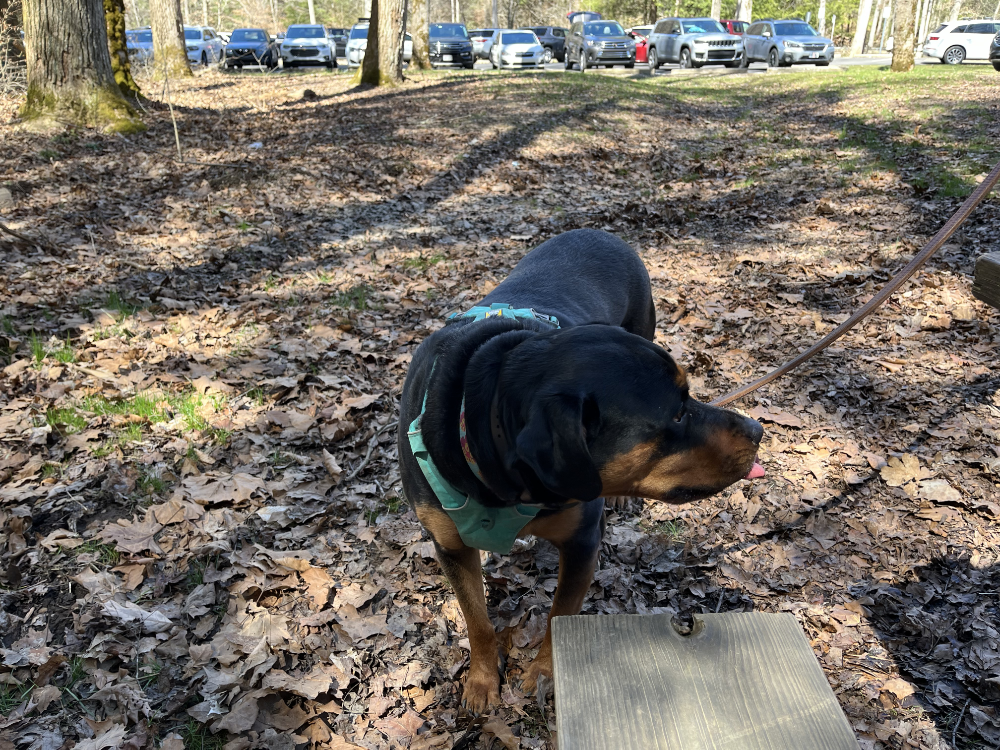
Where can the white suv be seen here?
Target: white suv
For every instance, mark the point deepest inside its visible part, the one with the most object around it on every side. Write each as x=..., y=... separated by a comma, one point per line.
x=956, y=41
x=203, y=45
x=308, y=44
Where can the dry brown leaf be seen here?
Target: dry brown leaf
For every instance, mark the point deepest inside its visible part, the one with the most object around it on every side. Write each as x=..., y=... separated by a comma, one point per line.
x=774, y=415
x=901, y=470
x=899, y=687
x=133, y=536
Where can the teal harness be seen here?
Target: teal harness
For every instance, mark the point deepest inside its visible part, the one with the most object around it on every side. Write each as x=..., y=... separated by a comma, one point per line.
x=491, y=529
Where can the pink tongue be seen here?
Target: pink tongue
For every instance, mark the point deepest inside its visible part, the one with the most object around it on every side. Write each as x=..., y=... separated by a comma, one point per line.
x=756, y=471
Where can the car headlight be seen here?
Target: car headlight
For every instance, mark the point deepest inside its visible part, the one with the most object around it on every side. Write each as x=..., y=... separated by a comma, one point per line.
x=794, y=45
x=192, y=49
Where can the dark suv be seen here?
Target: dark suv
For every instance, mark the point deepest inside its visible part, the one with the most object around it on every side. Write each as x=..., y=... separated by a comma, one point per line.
x=449, y=45
x=553, y=39
x=339, y=36
x=593, y=43
x=995, y=52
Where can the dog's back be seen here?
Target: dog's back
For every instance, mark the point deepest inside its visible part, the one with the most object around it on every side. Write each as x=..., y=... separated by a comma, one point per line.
x=583, y=276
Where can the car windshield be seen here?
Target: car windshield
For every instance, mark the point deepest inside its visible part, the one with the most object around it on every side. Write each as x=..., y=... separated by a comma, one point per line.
x=519, y=37
x=603, y=28
x=359, y=32
x=794, y=29
x=306, y=32
x=141, y=37
x=703, y=26
x=481, y=34
x=448, y=30
x=192, y=35
x=540, y=31
x=241, y=36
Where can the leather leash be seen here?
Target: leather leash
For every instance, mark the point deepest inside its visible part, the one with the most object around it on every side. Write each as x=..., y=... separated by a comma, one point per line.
x=943, y=235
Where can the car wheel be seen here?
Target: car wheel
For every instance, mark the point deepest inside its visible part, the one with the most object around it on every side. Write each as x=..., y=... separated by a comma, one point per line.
x=330, y=65
x=204, y=59
x=822, y=64
x=547, y=56
x=567, y=62
x=630, y=64
x=651, y=60
x=745, y=60
x=954, y=55
x=996, y=65
x=772, y=58
x=685, y=58
x=583, y=61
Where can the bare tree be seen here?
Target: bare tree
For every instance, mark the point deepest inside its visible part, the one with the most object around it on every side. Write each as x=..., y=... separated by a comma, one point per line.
x=875, y=21
x=418, y=12
x=715, y=12
x=169, y=51
x=902, y=36
x=69, y=67
x=956, y=8
x=864, y=12
x=383, y=63
x=114, y=17
x=821, y=18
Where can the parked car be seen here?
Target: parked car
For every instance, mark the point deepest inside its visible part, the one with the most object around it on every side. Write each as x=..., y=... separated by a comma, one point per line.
x=482, y=40
x=203, y=44
x=517, y=49
x=995, y=53
x=592, y=43
x=308, y=44
x=140, y=45
x=784, y=43
x=738, y=28
x=693, y=42
x=641, y=36
x=250, y=47
x=357, y=43
x=957, y=41
x=449, y=45
x=552, y=39
x=339, y=37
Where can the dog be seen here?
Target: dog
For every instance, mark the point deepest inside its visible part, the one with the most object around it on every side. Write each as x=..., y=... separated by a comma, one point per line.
x=519, y=416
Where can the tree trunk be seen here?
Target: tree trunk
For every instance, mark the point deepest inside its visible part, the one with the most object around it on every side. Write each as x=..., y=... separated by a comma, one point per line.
x=874, y=25
x=69, y=68
x=716, y=11
x=169, y=53
x=312, y=11
x=746, y=10
x=114, y=16
x=821, y=18
x=864, y=11
x=417, y=14
x=902, y=37
x=392, y=27
x=370, y=64
x=956, y=8
x=925, y=20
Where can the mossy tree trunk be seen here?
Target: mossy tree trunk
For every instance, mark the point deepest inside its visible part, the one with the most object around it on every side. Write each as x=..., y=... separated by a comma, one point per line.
x=69, y=68
x=903, y=36
x=114, y=17
x=383, y=64
x=169, y=52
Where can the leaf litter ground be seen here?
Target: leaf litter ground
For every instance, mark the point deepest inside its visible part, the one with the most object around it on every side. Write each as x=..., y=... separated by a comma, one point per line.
x=204, y=542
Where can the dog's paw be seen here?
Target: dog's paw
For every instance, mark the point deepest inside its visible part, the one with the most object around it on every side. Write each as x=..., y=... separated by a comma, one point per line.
x=482, y=692
x=539, y=672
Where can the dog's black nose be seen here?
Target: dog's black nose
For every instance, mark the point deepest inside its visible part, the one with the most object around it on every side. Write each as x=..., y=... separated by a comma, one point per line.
x=754, y=430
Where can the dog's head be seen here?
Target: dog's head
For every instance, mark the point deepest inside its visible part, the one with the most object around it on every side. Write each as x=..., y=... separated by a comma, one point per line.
x=594, y=411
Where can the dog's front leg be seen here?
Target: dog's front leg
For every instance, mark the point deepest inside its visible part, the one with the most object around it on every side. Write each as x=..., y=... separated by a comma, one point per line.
x=465, y=573
x=577, y=561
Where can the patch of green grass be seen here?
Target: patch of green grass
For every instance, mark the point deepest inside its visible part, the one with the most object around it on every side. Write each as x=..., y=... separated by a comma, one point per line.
x=673, y=530
x=115, y=301
x=51, y=470
x=103, y=450
x=12, y=696
x=149, y=674
x=105, y=554
x=64, y=353
x=244, y=226
x=423, y=262
x=7, y=325
x=49, y=153
x=154, y=407
x=37, y=349
x=129, y=434
x=66, y=421
x=198, y=737
x=77, y=671
x=151, y=483
x=257, y=395
x=357, y=297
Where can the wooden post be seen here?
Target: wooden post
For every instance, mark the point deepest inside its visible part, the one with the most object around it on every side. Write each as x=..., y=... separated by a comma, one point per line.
x=986, y=284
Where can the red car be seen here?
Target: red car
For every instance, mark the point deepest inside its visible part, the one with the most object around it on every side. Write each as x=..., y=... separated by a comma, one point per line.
x=641, y=36
x=735, y=27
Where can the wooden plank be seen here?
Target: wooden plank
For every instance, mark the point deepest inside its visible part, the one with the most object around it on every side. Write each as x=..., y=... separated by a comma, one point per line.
x=986, y=285
x=740, y=681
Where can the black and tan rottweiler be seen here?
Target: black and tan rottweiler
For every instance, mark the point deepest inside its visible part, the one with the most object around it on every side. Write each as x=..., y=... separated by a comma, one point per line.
x=520, y=416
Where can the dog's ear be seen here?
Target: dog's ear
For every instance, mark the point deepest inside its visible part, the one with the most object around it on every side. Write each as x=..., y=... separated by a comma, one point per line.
x=554, y=444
